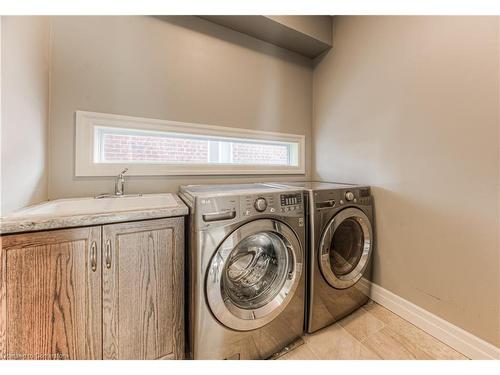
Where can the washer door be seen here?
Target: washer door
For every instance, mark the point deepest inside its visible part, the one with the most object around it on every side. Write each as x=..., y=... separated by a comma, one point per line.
x=253, y=274
x=345, y=248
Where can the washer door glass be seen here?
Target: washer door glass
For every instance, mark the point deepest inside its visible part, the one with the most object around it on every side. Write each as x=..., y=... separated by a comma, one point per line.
x=254, y=274
x=345, y=248
x=256, y=270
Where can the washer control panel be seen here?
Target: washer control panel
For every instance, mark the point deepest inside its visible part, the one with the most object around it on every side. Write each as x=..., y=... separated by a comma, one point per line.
x=212, y=211
x=252, y=204
x=260, y=204
x=291, y=202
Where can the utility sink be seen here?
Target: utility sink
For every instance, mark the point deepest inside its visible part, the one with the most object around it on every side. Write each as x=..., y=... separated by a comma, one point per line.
x=90, y=206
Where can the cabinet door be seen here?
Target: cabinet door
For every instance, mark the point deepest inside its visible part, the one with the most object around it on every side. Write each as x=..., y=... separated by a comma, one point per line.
x=50, y=295
x=143, y=290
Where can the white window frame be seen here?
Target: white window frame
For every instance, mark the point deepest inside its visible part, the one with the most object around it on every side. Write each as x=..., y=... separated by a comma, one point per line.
x=84, y=148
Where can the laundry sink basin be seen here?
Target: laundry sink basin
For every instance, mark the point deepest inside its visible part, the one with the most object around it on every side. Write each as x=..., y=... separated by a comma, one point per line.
x=88, y=206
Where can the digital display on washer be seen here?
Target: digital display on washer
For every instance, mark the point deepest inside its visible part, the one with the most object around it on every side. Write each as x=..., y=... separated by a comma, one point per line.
x=291, y=199
x=364, y=193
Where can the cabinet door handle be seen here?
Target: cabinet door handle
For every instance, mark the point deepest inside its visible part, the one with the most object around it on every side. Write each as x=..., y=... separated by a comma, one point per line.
x=108, y=254
x=93, y=256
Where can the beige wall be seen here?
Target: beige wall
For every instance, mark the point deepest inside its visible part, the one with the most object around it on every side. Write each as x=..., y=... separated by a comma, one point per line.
x=174, y=68
x=25, y=95
x=410, y=106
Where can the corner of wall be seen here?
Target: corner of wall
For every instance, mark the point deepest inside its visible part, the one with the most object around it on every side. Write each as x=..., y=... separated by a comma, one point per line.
x=25, y=96
x=48, y=141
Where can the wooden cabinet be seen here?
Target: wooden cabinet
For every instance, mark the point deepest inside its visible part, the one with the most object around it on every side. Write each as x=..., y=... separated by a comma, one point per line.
x=50, y=296
x=143, y=290
x=113, y=292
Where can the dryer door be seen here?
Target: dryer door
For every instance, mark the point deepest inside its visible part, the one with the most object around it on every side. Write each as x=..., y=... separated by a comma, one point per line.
x=345, y=248
x=253, y=274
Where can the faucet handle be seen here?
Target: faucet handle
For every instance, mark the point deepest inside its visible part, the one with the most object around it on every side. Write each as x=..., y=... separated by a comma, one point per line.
x=124, y=171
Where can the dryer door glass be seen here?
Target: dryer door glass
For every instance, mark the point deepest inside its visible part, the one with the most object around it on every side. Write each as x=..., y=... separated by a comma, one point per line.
x=345, y=248
x=253, y=274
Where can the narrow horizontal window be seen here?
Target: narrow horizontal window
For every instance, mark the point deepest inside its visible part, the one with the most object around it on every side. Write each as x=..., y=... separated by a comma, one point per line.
x=105, y=143
x=115, y=145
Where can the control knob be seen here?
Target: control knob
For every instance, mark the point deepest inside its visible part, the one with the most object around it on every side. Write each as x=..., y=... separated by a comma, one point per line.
x=349, y=196
x=260, y=204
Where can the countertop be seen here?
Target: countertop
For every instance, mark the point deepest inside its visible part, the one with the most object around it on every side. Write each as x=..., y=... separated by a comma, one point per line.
x=27, y=221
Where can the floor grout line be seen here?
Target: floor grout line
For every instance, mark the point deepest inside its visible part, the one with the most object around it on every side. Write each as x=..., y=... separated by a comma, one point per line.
x=381, y=325
x=435, y=338
x=392, y=328
x=361, y=342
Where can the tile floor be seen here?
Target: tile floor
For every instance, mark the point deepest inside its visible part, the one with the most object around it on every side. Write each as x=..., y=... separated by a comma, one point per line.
x=372, y=332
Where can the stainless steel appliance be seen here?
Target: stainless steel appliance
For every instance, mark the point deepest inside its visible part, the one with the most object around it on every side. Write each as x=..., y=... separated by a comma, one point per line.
x=246, y=291
x=340, y=249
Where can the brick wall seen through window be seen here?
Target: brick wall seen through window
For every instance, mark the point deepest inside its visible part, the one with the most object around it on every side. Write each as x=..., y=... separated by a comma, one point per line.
x=124, y=147
x=119, y=146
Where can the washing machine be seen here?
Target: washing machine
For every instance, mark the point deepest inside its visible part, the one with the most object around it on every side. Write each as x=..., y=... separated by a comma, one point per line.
x=340, y=250
x=246, y=278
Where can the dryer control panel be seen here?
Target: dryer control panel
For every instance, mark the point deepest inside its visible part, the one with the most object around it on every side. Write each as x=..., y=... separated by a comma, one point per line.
x=326, y=199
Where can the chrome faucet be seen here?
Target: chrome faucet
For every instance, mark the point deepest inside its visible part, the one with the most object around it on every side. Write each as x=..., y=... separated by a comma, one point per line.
x=119, y=188
x=120, y=183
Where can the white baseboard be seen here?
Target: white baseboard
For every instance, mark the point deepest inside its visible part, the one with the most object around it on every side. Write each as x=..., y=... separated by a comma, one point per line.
x=453, y=336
